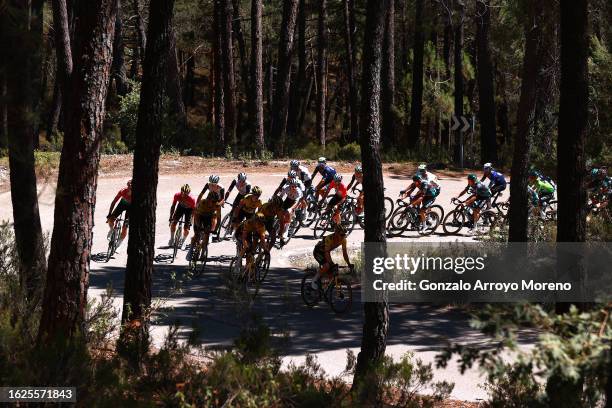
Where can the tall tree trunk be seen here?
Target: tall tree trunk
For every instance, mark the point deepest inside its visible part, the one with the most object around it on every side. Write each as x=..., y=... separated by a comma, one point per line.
x=55, y=112
x=486, y=87
x=519, y=198
x=141, y=244
x=458, y=74
x=351, y=61
x=65, y=299
x=244, y=70
x=3, y=109
x=227, y=64
x=256, y=94
x=416, y=108
x=189, y=86
x=118, y=67
x=297, y=90
x=22, y=89
x=388, y=82
x=376, y=314
x=219, y=87
x=141, y=37
x=174, y=88
x=283, y=76
x=322, y=72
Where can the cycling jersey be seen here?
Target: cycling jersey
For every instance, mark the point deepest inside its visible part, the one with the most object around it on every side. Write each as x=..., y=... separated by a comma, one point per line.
x=543, y=187
x=496, y=178
x=429, y=189
x=254, y=225
x=184, y=201
x=125, y=194
x=206, y=206
x=481, y=190
x=430, y=177
x=243, y=187
x=339, y=187
x=293, y=194
x=327, y=172
x=268, y=209
x=215, y=189
x=332, y=242
x=303, y=173
x=250, y=204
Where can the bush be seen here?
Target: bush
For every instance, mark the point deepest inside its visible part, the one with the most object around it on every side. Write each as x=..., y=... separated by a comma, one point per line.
x=350, y=152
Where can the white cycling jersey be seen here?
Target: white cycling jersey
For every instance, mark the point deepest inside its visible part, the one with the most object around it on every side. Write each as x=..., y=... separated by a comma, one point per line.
x=293, y=193
x=242, y=187
x=303, y=173
x=431, y=178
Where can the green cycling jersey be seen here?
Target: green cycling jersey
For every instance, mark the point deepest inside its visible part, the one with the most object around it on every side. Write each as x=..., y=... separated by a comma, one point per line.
x=543, y=187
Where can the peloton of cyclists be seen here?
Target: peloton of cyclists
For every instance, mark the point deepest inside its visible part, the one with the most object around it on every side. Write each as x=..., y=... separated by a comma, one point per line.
x=479, y=199
x=124, y=196
x=182, y=207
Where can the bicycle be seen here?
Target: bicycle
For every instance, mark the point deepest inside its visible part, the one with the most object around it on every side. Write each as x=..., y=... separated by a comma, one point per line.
x=407, y=216
x=224, y=229
x=178, y=238
x=292, y=229
x=336, y=291
x=389, y=207
x=199, y=256
x=461, y=217
x=252, y=272
x=325, y=222
x=114, y=238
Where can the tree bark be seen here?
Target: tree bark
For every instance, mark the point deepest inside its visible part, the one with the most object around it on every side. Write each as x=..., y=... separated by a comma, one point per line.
x=219, y=87
x=351, y=61
x=376, y=314
x=118, y=67
x=174, y=88
x=22, y=90
x=141, y=245
x=322, y=72
x=486, y=86
x=65, y=299
x=519, y=198
x=283, y=76
x=388, y=84
x=458, y=74
x=227, y=64
x=141, y=37
x=297, y=91
x=257, y=118
x=416, y=108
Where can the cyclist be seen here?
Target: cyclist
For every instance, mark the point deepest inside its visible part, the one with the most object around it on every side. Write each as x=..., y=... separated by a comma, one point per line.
x=599, y=184
x=124, y=196
x=293, y=195
x=291, y=175
x=186, y=204
x=242, y=186
x=358, y=180
x=302, y=173
x=250, y=232
x=247, y=207
x=270, y=211
x=541, y=190
x=479, y=199
x=216, y=189
x=322, y=253
x=497, y=181
x=427, y=175
x=205, y=221
x=425, y=198
x=327, y=175
x=333, y=206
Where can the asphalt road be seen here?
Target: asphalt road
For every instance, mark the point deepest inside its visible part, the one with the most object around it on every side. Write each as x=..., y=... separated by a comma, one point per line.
x=205, y=305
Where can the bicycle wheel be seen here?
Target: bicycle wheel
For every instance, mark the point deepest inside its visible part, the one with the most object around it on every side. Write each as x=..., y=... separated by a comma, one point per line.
x=312, y=213
x=310, y=296
x=201, y=262
x=294, y=227
x=321, y=227
x=340, y=295
x=348, y=220
x=112, y=244
x=453, y=222
x=432, y=220
x=178, y=236
x=399, y=221
x=438, y=208
x=235, y=269
x=195, y=258
x=262, y=266
x=226, y=227
x=389, y=206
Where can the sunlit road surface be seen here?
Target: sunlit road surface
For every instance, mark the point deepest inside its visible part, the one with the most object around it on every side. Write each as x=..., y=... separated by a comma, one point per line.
x=203, y=303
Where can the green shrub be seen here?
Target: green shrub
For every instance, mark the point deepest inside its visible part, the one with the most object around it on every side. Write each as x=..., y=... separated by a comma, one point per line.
x=349, y=152
x=127, y=115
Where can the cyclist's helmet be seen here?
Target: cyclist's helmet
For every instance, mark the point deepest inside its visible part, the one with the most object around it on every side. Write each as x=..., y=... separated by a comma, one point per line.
x=294, y=164
x=256, y=191
x=533, y=173
x=472, y=177
x=487, y=167
x=358, y=169
x=242, y=176
x=322, y=161
x=340, y=229
x=214, y=179
x=338, y=177
x=292, y=174
x=185, y=189
x=422, y=168
x=416, y=178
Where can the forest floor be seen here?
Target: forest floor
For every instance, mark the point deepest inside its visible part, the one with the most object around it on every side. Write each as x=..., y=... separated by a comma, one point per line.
x=203, y=308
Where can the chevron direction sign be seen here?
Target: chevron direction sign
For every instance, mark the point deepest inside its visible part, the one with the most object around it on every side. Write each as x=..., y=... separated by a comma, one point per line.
x=461, y=122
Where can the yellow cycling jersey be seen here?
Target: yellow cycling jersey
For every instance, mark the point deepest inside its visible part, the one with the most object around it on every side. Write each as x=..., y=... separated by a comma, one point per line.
x=268, y=209
x=250, y=203
x=254, y=225
x=206, y=206
x=332, y=242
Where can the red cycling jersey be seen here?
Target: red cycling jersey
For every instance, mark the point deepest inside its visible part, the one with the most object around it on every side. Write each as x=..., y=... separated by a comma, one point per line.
x=125, y=193
x=339, y=187
x=186, y=201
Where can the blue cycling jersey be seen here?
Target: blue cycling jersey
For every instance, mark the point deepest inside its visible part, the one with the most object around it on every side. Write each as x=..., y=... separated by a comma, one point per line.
x=496, y=178
x=328, y=173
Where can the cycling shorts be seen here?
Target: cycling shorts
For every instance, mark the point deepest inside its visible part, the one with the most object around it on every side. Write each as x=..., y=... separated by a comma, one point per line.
x=497, y=188
x=120, y=208
x=334, y=201
x=181, y=212
x=319, y=253
x=204, y=223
